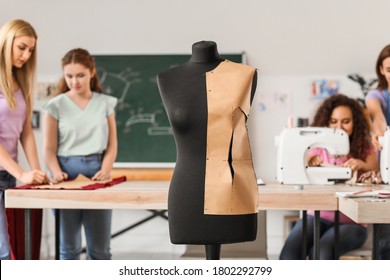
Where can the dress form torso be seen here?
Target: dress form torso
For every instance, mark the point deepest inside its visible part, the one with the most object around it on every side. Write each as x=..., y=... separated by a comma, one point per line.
x=184, y=93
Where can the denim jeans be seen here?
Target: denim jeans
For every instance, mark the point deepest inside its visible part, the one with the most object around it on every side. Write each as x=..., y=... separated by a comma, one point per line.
x=384, y=241
x=97, y=223
x=352, y=236
x=6, y=181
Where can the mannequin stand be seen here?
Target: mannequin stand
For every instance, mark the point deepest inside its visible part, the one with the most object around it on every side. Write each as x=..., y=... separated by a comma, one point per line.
x=213, y=251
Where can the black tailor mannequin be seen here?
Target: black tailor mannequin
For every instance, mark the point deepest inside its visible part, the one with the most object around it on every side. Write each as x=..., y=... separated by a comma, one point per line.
x=183, y=90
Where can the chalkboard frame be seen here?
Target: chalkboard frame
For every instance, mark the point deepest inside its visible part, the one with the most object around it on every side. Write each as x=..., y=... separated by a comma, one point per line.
x=138, y=72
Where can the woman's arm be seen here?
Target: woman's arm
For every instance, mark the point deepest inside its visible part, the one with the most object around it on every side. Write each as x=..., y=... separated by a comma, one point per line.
x=28, y=142
x=7, y=162
x=369, y=164
x=33, y=176
x=50, y=145
x=378, y=121
x=27, y=139
x=110, y=153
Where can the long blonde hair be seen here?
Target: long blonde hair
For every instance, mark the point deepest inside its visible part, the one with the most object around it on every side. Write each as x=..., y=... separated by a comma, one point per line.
x=24, y=76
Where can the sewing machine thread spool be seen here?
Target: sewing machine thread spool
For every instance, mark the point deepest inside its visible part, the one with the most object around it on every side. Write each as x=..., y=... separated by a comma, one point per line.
x=303, y=122
x=290, y=122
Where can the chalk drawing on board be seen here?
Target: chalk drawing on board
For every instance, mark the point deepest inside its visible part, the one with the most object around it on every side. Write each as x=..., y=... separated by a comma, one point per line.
x=135, y=120
x=128, y=77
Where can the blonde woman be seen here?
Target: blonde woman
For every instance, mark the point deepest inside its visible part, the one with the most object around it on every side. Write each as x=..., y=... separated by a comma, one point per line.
x=17, y=72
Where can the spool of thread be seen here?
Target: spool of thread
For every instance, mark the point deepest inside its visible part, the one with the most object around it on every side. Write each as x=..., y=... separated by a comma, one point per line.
x=303, y=122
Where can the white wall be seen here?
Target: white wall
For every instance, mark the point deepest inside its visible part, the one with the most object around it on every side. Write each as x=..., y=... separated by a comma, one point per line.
x=301, y=37
x=290, y=42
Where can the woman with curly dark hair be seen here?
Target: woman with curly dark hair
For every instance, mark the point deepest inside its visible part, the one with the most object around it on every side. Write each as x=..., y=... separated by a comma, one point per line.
x=343, y=112
x=337, y=111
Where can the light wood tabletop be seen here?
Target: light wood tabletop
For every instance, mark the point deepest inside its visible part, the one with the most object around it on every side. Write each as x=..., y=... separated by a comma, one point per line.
x=274, y=196
x=154, y=195
x=126, y=195
x=366, y=210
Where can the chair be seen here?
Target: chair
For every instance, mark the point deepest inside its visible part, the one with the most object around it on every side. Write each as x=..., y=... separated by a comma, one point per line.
x=247, y=250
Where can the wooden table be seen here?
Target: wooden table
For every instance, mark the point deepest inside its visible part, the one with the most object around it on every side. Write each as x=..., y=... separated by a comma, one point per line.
x=127, y=195
x=274, y=196
x=154, y=195
x=146, y=195
x=368, y=211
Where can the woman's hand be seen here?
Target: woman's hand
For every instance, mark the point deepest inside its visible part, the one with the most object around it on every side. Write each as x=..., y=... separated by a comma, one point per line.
x=33, y=177
x=58, y=177
x=370, y=177
x=315, y=161
x=375, y=140
x=102, y=175
x=354, y=164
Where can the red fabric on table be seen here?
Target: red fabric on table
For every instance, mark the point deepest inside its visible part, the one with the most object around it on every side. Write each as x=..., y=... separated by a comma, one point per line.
x=113, y=182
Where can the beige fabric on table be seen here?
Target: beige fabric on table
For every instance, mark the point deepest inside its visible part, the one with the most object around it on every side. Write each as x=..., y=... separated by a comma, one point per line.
x=228, y=100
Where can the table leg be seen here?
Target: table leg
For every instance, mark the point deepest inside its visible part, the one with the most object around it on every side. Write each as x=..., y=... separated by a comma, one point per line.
x=375, y=241
x=336, y=235
x=304, y=234
x=27, y=234
x=155, y=214
x=316, y=252
x=57, y=233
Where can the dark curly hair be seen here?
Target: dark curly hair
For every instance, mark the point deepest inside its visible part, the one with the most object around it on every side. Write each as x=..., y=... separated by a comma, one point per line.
x=360, y=138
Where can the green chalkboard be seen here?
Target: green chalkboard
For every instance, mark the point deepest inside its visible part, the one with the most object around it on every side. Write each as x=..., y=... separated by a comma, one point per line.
x=144, y=134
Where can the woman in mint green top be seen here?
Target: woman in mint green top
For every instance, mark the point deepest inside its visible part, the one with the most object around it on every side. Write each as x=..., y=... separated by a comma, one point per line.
x=81, y=131
x=80, y=138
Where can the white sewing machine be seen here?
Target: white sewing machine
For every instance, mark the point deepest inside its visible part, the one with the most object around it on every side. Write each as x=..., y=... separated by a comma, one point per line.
x=385, y=156
x=293, y=145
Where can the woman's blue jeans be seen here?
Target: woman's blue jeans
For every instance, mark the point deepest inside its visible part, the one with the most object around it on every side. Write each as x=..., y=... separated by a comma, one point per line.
x=384, y=241
x=352, y=236
x=6, y=181
x=97, y=223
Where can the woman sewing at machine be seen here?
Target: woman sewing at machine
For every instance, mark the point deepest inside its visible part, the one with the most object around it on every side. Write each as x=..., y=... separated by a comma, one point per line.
x=342, y=112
